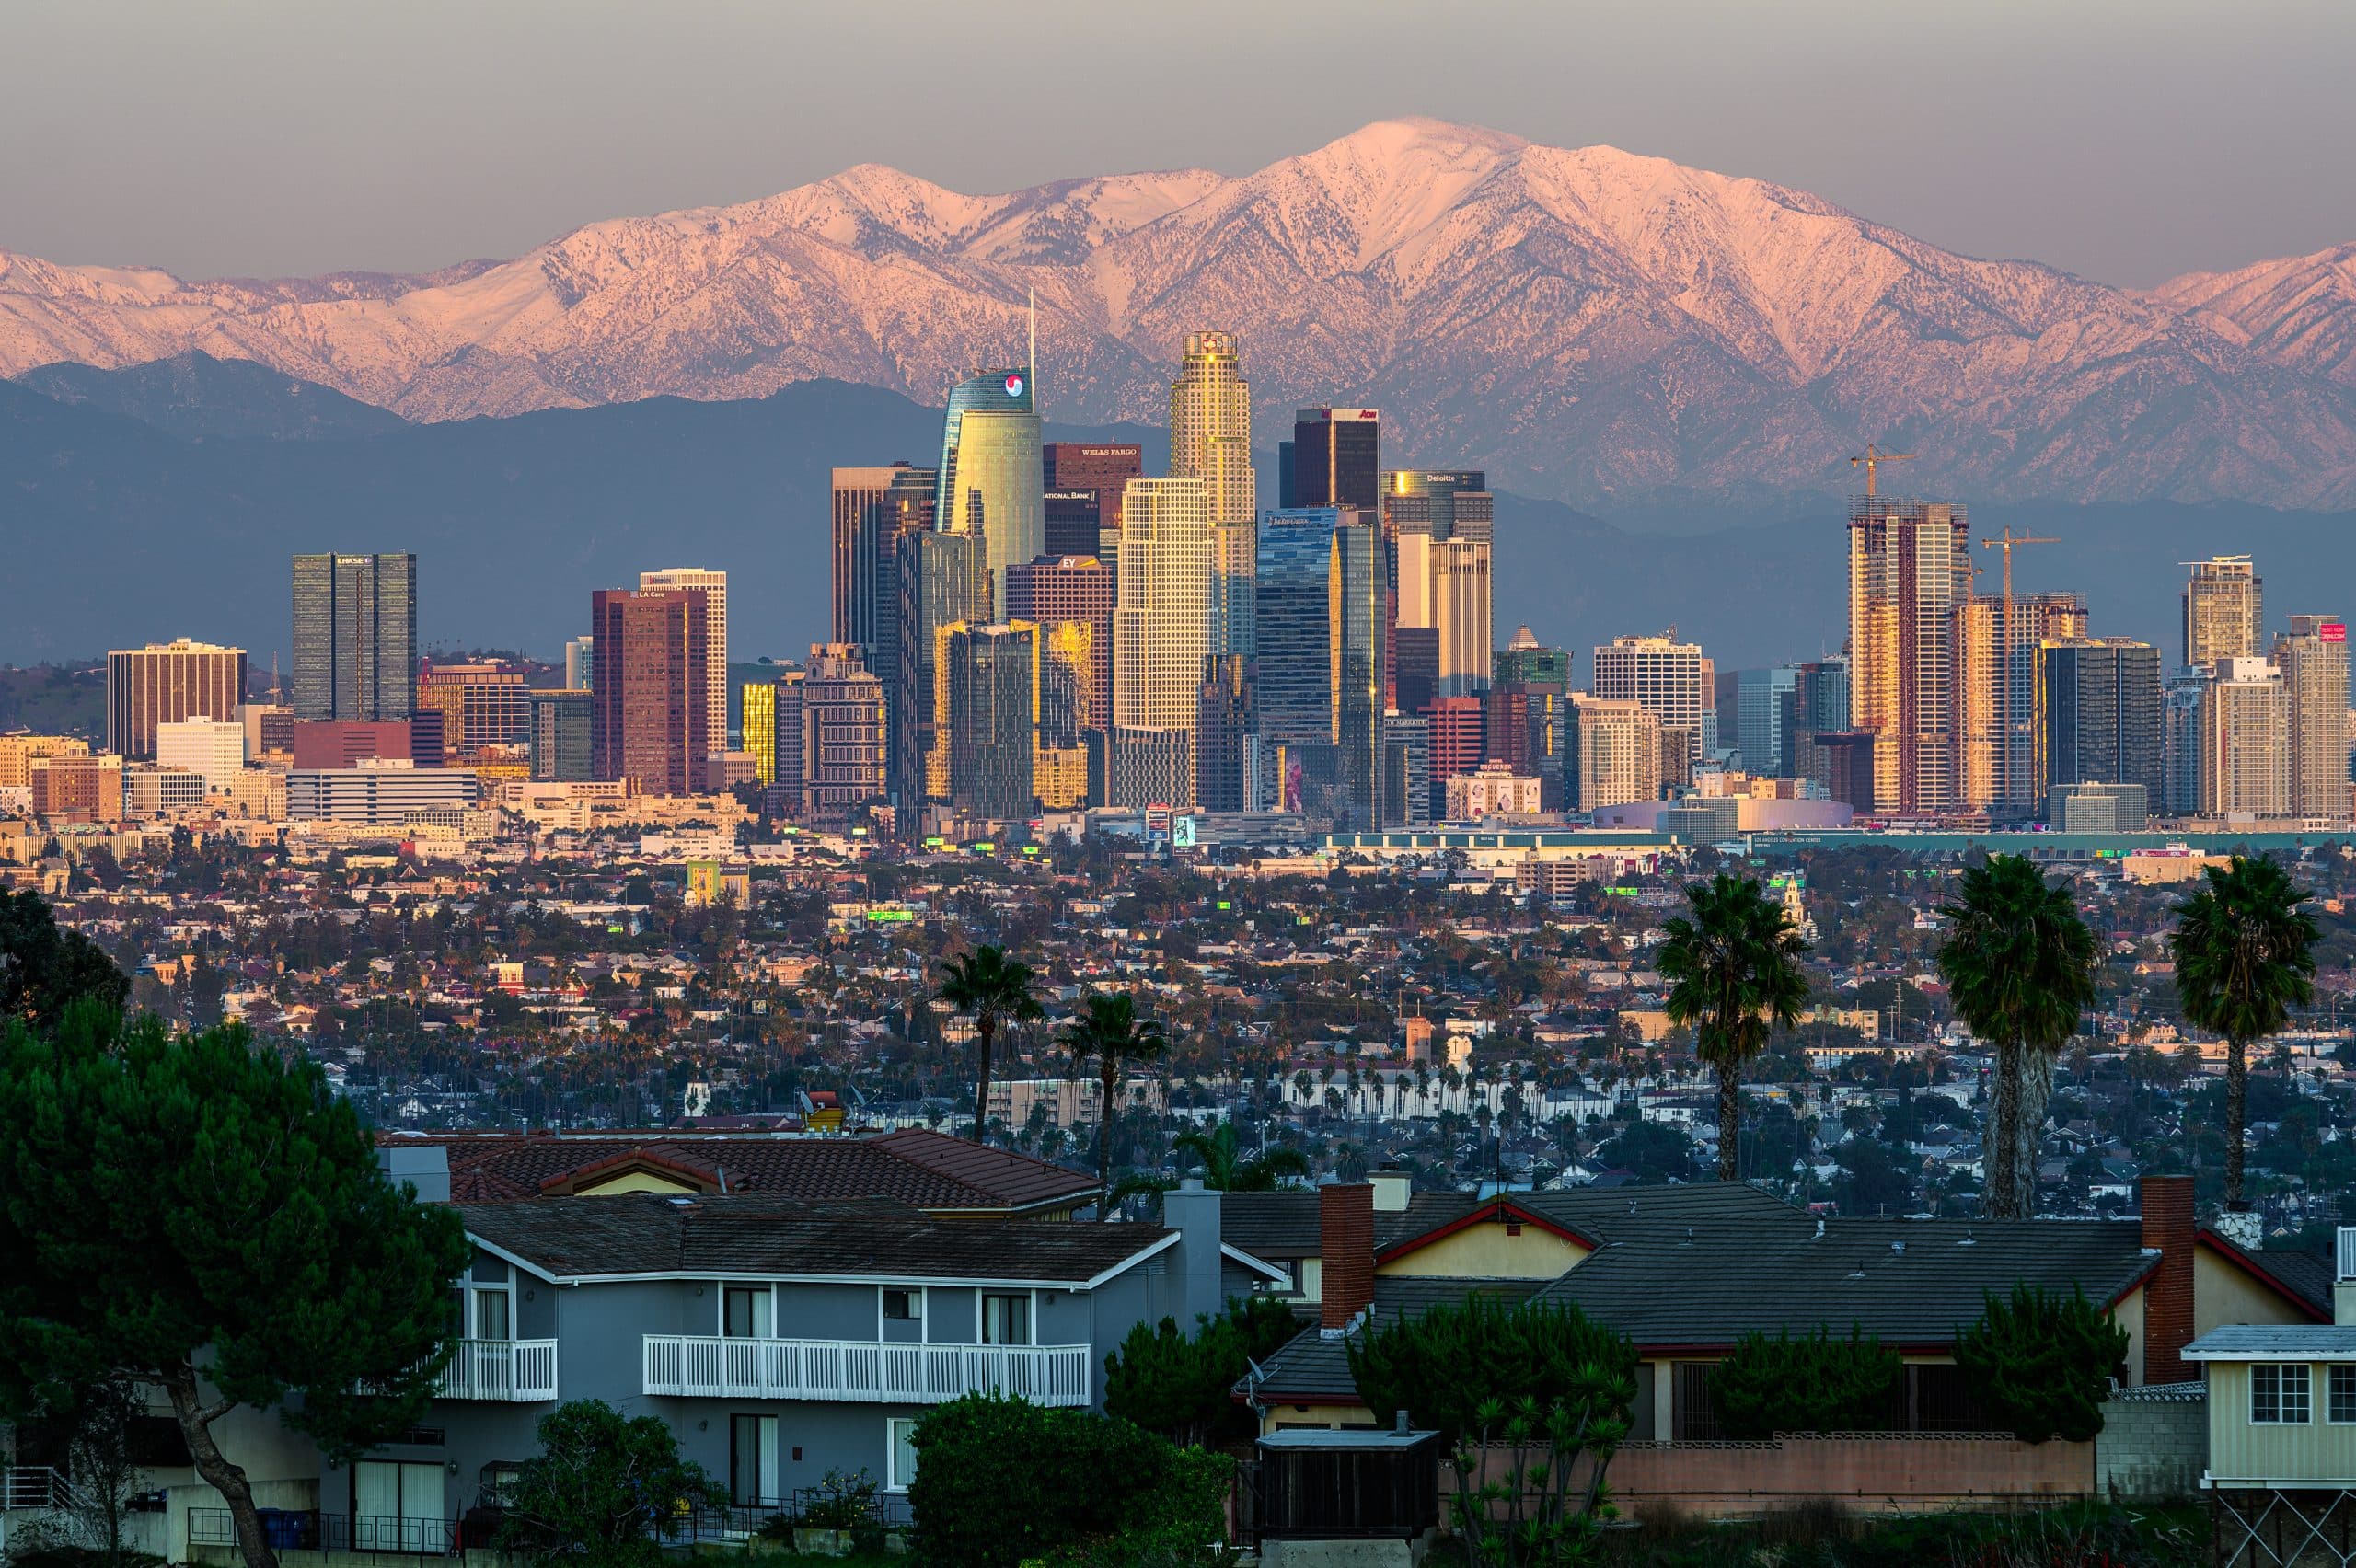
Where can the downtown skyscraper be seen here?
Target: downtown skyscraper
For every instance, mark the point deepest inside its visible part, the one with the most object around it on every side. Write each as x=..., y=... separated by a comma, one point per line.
x=1322, y=607
x=649, y=711
x=1909, y=574
x=356, y=637
x=991, y=484
x=2313, y=657
x=1162, y=627
x=1210, y=440
x=2225, y=606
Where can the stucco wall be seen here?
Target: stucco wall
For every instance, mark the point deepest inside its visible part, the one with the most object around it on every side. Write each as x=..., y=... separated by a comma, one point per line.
x=1489, y=1251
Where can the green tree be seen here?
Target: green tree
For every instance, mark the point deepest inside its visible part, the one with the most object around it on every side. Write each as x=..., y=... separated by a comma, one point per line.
x=1180, y=1386
x=994, y=988
x=199, y=1216
x=44, y=967
x=2245, y=956
x=1815, y=1383
x=1109, y=1030
x=2043, y=1361
x=1226, y=1170
x=1734, y=977
x=604, y=1491
x=2019, y=963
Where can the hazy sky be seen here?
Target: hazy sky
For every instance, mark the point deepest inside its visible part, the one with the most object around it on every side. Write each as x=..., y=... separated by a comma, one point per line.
x=2127, y=140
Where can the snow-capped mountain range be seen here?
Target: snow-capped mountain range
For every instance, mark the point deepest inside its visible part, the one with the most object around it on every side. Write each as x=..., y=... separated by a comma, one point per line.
x=1589, y=325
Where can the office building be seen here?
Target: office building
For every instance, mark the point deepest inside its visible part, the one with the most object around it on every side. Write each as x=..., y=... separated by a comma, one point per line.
x=1337, y=458
x=2021, y=768
x=1673, y=681
x=1084, y=482
x=1456, y=733
x=153, y=789
x=1415, y=670
x=77, y=788
x=1147, y=767
x=1321, y=611
x=213, y=749
x=564, y=736
x=2225, y=609
x=756, y=720
x=17, y=754
x=1406, y=769
x=1069, y=598
x=2182, y=705
x=944, y=580
x=874, y=509
x=164, y=682
x=1459, y=615
x=990, y=677
x=2101, y=716
x=2100, y=808
x=1161, y=615
x=269, y=732
x=379, y=793
x=713, y=586
x=990, y=481
x=1424, y=513
x=1766, y=704
x=356, y=637
x=480, y=705
x=1615, y=750
x=1210, y=440
x=1525, y=730
x=1849, y=759
x=2245, y=741
x=1523, y=660
x=580, y=663
x=1225, y=722
x=330, y=744
x=838, y=705
x=651, y=703
x=1910, y=572
x=1493, y=789
x=2313, y=657
x=1440, y=503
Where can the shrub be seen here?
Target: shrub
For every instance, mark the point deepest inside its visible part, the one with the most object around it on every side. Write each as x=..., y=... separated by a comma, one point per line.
x=839, y=1502
x=2043, y=1361
x=1182, y=1386
x=604, y=1489
x=1815, y=1383
x=1000, y=1481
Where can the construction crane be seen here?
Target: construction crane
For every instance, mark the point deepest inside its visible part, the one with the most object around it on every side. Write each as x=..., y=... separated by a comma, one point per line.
x=1876, y=455
x=2004, y=675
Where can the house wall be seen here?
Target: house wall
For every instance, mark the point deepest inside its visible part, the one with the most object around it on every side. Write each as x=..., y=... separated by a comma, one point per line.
x=2319, y=1451
x=1883, y=1474
x=2152, y=1448
x=634, y=1182
x=1488, y=1251
x=2129, y=1315
x=2224, y=1295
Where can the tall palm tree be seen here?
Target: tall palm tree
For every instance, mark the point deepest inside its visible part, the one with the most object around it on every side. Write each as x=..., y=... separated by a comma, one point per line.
x=1225, y=1169
x=995, y=989
x=2245, y=956
x=1734, y=975
x=1109, y=1029
x=2019, y=963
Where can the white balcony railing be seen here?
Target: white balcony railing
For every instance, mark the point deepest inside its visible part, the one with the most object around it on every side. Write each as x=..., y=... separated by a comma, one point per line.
x=863, y=1370
x=517, y=1370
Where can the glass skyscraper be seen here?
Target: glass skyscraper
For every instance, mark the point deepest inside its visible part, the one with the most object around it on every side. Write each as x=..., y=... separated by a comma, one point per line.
x=1321, y=616
x=990, y=479
x=356, y=637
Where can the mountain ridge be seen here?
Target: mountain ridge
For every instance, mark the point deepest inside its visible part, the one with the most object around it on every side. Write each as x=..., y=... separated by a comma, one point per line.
x=1593, y=325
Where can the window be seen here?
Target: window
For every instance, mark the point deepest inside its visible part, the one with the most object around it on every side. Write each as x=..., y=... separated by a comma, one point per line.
x=752, y=1459
x=490, y=1315
x=2339, y=1392
x=899, y=1453
x=745, y=1311
x=1005, y=1320
x=2278, y=1395
x=397, y=1506
x=902, y=1306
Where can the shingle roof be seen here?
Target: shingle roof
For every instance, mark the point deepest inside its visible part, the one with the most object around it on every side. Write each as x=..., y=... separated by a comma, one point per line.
x=2304, y=1277
x=761, y=1236
x=1284, y=1224
x=1311, y=1368
x=2275, y=1342
x=934, y=1172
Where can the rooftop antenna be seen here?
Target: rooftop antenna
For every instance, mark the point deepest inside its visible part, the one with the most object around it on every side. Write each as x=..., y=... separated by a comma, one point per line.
x=1030, y=365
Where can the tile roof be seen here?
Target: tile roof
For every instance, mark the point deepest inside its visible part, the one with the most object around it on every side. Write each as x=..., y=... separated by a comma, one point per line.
x=929, y=1170
x=759, y=1235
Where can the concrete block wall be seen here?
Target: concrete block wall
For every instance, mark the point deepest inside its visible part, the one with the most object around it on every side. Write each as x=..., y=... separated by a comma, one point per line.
x=2154, y=1442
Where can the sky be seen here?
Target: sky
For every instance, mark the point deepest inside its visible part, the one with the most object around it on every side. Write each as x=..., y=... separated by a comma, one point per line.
x=2126, y=141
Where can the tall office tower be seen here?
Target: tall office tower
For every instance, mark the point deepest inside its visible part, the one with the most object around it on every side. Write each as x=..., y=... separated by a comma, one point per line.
x=1819, y=706
x=1224, y=720
x=1069, y=598
x=839, y=718
x=1524, y=662
x=2224, y=610
x=1210, y=426
x=757, y=721
x=1288, y=492
x=1672, y=681
x=1406, y=769
x=2001, y=693
x=356, y=637
x=1415, y=668
x=990, y=479
x=990, y=680
x=1090, y=478
x=652, y=722
x=563, y=736
x=1337, y=458
x=481, y=705
x=164, y=682
x=2182, y=705
x=1910, y=570
x=1235, y=609
x=1457, y=730
x=1423, y=509
x=784, y=794
x=1322, y=613
x=1162, y=624
x=1766, y=706
x=714, y=588
x=1616, y=746
x=1460, y=598
x=2101, y=715
x=872, y=507
x=580, y=663
x=945, y=579
x=1524, y=727
x=2313, y=658
x=2245, y=740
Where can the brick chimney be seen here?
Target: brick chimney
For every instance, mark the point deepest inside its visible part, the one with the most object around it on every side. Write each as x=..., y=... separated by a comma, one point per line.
x=2168, y=1299
x=1345, y=1244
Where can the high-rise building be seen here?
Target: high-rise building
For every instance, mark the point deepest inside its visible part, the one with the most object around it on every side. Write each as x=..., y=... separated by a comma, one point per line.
x=1225, y=720
x=837, y=704
x=2224, y=610
x=1337, y=458
x=2020, y=761
x=1151, y=767
x=1457, y=730
x=1322, y=613
x=1527, y=730
x=356, y=637
x=563, y=736
x=990, y=680
x=2101, y=714
x=1407, y=770
x=1442, y=503
x=1767, y=706
x=2313, y=657
x=1084, y=482
x=1069, y=598
x=1673, y=681
x=213, y=749
x=1459, y=615
x=1616, y=747
x=652, y=714
x=1523, y=660
x=1424, y=510
x=164, y=682
x=1161, y=615
x=1210, y=425
x=874, y=510
x=481, y=705
x=756, y=722
x=991, y=485
x=943, y=580
x=580, y=663
x=2181, y=704
x=17, y=753
x=1910, y=571
x=713, y=585
x=2245, y=740
x=69, y=788
x=1820, y=706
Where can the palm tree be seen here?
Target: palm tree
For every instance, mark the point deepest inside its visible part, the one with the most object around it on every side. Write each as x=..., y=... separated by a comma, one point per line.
x=1226, y=1170
x=993, y=987
x=2245, y=955
x=1734, y=975
x=1109, y=1029
x=2019, y=963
